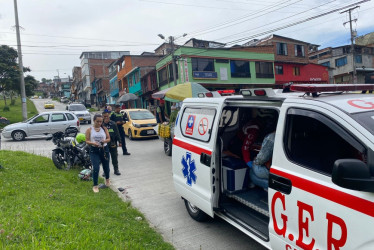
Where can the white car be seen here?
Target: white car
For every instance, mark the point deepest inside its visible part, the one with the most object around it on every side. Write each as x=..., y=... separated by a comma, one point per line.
x=38, y=125
x=80, y=111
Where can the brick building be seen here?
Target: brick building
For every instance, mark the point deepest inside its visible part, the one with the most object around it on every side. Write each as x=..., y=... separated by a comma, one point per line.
x=76, y=83
x=126, y=64
x=95, y=75
x=291, y=61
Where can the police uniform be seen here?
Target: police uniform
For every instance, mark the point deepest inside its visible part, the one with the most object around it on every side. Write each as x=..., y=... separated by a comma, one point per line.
x=114, y=138
x=118, y=117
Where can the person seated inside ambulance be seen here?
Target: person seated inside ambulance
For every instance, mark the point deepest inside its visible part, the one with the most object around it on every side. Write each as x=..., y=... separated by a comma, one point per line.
x=244, y=146
x=260, y=166
x=240, y=145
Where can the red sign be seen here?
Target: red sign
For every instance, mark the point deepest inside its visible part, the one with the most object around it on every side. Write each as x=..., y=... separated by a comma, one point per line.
x=190, y=124
x=203, y=126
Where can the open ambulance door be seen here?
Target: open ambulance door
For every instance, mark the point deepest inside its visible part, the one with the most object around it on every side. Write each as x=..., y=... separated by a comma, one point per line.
x=194, y=161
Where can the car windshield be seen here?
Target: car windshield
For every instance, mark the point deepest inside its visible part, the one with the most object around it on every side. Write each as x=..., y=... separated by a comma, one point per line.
x=366, y=119
x=77, y=108
x=31, y=118
x=141, y=115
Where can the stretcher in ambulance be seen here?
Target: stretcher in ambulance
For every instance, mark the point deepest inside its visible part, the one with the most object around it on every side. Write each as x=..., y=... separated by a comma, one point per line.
x=320, y=192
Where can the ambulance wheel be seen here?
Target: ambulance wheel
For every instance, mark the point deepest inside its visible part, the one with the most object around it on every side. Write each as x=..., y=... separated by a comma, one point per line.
x=168, y=146
x=195, y=212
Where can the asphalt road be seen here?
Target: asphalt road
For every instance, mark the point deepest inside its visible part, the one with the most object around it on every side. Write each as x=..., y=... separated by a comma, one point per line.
x=147, y=179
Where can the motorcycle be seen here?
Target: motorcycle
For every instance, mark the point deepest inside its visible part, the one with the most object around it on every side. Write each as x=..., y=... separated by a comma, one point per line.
x=69, y=152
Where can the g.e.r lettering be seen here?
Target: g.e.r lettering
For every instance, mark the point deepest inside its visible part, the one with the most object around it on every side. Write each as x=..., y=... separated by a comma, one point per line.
x=305, y=218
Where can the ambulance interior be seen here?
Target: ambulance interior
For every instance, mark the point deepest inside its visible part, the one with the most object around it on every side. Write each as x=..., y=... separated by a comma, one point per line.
x=240, y=199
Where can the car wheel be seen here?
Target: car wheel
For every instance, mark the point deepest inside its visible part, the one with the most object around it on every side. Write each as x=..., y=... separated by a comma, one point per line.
x=195, y=212
x=18, y=135
x=130, y=135
x=89, y=122
x=168, y=146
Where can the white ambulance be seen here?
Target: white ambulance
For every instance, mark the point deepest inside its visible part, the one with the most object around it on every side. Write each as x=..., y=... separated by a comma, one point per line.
x=320, y=191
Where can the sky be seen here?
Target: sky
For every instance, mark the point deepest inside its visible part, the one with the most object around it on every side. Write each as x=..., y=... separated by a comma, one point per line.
x=54, y=33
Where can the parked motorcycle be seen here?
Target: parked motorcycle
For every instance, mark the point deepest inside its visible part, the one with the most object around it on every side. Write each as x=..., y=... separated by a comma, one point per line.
x=70, y=149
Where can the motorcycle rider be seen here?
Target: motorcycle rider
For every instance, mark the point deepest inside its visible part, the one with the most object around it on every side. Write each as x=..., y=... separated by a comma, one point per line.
x=114, y=138
x=117, y=117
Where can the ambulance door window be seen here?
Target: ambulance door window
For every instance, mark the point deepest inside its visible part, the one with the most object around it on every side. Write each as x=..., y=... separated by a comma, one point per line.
x=315, y=142
x=197, y=123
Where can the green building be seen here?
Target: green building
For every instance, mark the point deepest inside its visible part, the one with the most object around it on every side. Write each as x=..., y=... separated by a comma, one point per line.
x=218, y=68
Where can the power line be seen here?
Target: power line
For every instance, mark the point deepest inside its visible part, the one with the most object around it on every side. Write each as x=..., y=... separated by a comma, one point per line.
x=278, y=20
x=285, y=26
x=294, y=23
x=233, y=22
x=76, y=38
x=81, y=46
x=192, y=5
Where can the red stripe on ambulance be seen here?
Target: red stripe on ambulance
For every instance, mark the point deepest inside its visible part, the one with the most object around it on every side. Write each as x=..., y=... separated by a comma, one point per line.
x=344, y=199
x=190, y=147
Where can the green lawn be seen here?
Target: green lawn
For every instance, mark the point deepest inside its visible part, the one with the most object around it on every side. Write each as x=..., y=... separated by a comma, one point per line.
x=15, y=112
x=45, y=208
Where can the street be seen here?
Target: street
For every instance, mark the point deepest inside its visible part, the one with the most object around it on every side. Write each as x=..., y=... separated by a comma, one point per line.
x=147, y=179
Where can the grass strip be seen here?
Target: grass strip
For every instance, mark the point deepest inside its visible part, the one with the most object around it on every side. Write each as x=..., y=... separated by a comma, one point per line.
x=15, y=111
x=45, y=208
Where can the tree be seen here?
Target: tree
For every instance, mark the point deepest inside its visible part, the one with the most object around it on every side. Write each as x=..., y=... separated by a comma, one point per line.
x=30, y=85
x=8, y=69
x=10, y=74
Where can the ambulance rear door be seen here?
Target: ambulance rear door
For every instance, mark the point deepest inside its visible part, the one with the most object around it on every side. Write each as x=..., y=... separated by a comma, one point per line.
x=193, y=153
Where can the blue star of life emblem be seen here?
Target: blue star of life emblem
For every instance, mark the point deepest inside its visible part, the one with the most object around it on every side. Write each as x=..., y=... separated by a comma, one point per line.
x=189, y=169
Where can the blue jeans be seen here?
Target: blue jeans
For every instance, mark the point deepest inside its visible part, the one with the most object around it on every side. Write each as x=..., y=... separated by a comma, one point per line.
x=260, y=176
x=97, y=156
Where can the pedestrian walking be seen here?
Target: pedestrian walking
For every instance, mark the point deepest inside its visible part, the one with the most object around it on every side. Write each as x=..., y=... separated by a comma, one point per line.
x=118, y=118
x=97, y=137
x=114, y=139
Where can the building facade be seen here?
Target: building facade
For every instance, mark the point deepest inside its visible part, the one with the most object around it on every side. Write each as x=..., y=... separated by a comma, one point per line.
x=126, y=64
x=218, y=68
x=292, y=61
x=76, y=80
x=149, y=86
x=94, y=66
x=341, y=62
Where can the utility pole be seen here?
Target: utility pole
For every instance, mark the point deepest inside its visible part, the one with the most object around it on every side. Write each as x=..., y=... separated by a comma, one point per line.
x=171, y=40
x=20, y=64
x=352, y=40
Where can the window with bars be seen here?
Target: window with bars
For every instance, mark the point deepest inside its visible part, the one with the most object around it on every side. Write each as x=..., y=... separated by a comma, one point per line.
x=341, y=61
x=299, y=50
x=202, y=64
x=278, y=69
x=162, y=76
x=282, y=49
x=296, y=71
x=264, y=70
x=240, y=69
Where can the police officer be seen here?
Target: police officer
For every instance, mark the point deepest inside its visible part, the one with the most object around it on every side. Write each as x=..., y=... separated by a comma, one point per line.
x=114, y=138
x=117, y=117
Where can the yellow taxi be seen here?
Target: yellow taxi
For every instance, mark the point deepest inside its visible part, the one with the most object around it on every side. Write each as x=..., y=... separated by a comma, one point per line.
x=139, y=123
x=49, y=105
